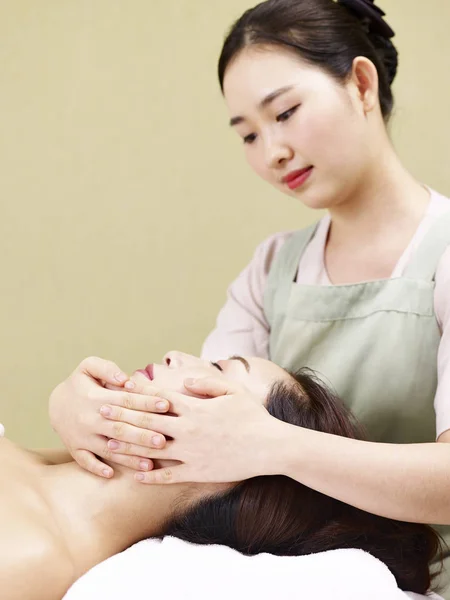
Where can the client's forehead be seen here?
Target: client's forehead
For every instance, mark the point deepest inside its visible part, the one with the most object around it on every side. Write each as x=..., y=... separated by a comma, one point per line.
x=267, y=370
x=256, y=374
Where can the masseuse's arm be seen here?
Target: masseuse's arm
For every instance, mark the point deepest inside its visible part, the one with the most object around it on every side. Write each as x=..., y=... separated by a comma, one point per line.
x=407, y=482
x=232, y=437
x=241, y=326
x=404, y=482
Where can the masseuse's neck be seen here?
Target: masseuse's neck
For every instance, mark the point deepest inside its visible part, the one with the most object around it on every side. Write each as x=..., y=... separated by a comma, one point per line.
x=98, y=517
x=387, y=196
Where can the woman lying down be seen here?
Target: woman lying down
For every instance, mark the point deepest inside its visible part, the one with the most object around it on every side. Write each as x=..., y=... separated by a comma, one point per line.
x=57, y=521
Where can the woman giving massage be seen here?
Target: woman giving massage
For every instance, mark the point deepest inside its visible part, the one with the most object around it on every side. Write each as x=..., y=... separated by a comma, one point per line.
x=58, y=520
x=362, y=297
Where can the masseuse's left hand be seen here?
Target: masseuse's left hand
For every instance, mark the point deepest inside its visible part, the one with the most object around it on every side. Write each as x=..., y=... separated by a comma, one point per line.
x=228, y=437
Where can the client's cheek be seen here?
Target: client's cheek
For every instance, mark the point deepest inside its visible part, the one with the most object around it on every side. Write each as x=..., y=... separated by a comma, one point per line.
x=260, y=390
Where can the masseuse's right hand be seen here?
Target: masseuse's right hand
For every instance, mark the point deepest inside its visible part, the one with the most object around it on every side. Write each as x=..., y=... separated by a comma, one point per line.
x=75, y=415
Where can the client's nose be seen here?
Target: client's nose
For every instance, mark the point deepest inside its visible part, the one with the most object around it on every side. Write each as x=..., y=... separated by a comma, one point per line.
x=170, y=359
x=175, y=359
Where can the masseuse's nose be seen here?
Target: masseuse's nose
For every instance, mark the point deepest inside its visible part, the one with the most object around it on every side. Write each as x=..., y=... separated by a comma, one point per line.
x=277, y=151
x=175, y=360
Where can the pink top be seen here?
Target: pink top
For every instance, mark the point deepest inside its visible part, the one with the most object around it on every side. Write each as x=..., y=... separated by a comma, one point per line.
x=242, y=327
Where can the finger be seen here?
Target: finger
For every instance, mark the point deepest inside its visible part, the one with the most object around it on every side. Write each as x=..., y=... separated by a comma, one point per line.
x=178, y=402
x=135, y=463
x=104, y=370
x=211, y=387
x=142, y=420
x=112, y=388
x=166, y=476
x=102, y=395
x=89, y=462
x=137, y=402
x=119, y=397
x=124, y=432
x=125, y=449
x=96, y=466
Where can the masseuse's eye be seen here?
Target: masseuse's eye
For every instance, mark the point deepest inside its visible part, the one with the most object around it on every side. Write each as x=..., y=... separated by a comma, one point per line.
x=249, y=139
x=217, y=366
x=287, y=115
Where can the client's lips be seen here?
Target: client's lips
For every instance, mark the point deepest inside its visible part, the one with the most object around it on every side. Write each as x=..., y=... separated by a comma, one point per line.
x=147, y=372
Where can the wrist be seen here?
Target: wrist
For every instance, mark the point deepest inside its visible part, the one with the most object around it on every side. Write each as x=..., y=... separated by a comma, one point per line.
x=280, y=443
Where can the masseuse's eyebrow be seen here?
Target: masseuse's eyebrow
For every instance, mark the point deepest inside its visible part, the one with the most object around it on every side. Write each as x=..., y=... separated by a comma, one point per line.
x=264, y=102
x=242, y=360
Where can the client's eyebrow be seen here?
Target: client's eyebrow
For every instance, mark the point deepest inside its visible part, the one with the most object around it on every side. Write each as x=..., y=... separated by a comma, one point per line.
x=242, y=360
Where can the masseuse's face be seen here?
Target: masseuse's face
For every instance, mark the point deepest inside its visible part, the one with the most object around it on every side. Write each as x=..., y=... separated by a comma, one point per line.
x=297, y=122
x=255, y=374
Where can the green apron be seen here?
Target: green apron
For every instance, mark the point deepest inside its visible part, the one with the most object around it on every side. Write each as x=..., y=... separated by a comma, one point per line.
x=375, y=343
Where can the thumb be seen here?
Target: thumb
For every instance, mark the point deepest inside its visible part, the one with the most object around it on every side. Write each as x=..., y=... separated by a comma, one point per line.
x=103, y=370
x=89, y=462
x=210, y=387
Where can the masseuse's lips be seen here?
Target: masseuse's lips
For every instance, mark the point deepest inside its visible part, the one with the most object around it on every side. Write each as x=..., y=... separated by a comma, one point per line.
x=148, y=372
x=297, y=178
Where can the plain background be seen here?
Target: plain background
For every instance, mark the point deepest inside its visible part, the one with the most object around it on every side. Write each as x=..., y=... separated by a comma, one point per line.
x=126, y=205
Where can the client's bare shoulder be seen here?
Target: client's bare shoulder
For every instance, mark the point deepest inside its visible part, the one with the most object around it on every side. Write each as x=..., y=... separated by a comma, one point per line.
x=35, y=565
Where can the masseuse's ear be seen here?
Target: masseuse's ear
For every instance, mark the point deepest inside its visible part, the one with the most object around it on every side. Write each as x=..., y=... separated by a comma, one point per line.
x=210, y=387
x=364, y=84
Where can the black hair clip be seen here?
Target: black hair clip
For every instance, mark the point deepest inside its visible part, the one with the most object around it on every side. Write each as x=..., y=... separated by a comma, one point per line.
x=366, y=9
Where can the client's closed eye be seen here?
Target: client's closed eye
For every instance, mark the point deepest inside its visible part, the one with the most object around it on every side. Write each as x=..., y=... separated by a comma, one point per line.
x=214, y=364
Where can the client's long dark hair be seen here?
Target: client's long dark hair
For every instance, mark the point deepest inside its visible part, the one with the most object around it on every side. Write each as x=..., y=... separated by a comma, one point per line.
x=280, y=516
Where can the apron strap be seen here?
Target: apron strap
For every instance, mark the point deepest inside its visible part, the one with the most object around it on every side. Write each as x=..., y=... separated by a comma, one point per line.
x=425, y=260
x=284, y=269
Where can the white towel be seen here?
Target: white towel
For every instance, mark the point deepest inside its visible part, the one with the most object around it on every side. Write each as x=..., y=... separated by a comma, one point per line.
x=173, y=569
x=2, y=430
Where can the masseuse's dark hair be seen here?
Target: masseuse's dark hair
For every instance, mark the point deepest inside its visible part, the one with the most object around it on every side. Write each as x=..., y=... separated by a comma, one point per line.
x=280, y=516
x=323, y=33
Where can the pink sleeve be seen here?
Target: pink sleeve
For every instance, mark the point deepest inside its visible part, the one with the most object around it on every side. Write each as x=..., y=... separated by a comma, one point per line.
x=442, y=310
x=241, y=326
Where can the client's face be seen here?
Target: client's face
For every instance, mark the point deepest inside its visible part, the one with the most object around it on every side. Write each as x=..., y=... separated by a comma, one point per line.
x=255, y=374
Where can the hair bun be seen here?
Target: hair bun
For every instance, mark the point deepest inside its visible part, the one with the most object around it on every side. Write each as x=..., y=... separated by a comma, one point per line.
x=368, y=12
x=388, y=54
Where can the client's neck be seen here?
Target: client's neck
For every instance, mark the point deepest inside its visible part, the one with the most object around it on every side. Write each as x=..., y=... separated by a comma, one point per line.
x=98, y=518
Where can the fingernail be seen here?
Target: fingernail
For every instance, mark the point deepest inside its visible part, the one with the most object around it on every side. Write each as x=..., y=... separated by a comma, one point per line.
x=113, y=445
x=106, y=411
x=130, y=385
x=144, y=465
x=139, y=477
x=157, y=440
x=120, y=377
x=107, y=472
x=190, y=382
x=162, y=405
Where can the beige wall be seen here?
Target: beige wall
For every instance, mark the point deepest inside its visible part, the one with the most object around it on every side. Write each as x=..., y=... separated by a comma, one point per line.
x=126, y=205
